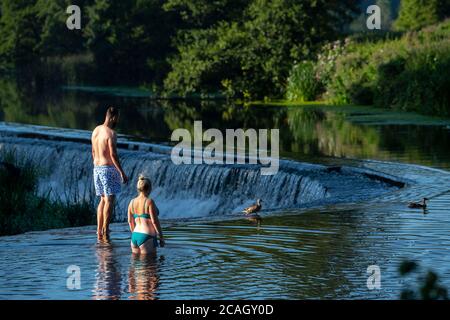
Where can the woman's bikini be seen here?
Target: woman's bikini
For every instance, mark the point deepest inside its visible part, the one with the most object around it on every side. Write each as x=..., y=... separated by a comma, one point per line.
x=139, y=238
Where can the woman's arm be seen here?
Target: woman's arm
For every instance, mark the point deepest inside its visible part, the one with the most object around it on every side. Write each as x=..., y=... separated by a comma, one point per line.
x=131, y=222
x=155, y=222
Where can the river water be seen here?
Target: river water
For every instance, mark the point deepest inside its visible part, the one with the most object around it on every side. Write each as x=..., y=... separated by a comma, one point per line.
x=320, y=231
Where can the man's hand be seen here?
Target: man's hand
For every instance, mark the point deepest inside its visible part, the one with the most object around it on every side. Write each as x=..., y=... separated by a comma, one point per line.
x=124, y=178
x=162, y=243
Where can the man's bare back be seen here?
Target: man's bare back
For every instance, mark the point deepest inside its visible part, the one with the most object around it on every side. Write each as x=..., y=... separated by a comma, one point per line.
x=103, y=145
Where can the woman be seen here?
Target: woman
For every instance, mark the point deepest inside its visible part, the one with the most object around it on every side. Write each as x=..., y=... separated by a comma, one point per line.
x=143, y=220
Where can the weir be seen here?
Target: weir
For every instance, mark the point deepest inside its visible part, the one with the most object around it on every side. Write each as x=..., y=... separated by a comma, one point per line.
x=185, y=191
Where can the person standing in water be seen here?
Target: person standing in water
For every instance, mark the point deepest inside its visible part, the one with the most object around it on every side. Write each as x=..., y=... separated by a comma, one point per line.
x=108, y=173
x=143, y=220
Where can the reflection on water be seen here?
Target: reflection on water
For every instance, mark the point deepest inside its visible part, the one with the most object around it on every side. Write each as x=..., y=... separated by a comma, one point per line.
x=300, y=254
x=143, y=278
x=316, y=254
x=355, y=132
x=321, y=253
x=107, y=276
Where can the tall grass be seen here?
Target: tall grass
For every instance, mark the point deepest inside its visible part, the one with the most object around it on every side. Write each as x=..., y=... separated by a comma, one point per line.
x=23, y=209
x=303, y=85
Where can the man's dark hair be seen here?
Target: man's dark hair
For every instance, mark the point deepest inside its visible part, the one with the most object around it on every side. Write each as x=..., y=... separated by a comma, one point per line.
x=112, y=112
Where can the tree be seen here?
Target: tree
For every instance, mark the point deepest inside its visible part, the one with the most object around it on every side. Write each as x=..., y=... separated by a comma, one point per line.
x=130, y=39
x=415, y=14
x=55, y=37
x=19, y=32
x=34, y=29
x=251, y=49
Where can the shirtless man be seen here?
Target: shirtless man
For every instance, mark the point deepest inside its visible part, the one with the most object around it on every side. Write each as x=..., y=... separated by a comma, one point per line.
x=108, y=173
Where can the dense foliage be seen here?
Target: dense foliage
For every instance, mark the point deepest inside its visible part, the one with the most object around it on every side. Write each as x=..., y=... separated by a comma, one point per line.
x=32, y=29
x=408, y=72
x=250, y=51
x=239, y=46
x=427, y=287
x=415, y=14
x=130, y=39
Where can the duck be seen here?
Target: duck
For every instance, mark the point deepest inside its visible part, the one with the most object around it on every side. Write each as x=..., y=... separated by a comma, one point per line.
x=254, y=208
x=418, y=205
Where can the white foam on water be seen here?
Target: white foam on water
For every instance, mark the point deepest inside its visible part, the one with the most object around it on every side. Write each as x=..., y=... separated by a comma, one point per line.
x=184, y=191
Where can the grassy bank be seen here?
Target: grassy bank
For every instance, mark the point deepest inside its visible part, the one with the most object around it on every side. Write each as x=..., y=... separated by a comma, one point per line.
x=406, y=72
x=22, y=209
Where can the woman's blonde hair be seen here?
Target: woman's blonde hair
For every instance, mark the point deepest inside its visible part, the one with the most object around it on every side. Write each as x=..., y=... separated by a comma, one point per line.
x=144, y=184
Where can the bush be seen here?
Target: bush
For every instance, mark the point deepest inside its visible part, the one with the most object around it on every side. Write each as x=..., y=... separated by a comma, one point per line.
x=303, y=84
x=415, y=14
x=352, y=76
x=22, y=209
x=419, y=83
x=428, y=286
x=407, y=73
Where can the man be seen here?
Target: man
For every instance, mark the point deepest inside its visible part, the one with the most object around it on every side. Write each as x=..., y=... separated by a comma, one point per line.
x=108, y=173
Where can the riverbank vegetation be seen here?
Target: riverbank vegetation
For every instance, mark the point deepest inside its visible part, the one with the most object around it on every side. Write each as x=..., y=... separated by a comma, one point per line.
x=296, y=49
x=405, y=72
x=24, y=209
x=237, y=46
x=427, y=285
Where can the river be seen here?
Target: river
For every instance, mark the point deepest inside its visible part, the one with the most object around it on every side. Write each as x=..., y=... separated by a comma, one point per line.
x=320, y=231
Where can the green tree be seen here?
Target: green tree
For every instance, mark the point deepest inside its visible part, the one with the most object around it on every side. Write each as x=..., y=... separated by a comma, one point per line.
x=19, y=32
x=55, y=37
x=415, y=14
x=205, y=13
x=34, y=29
x=251, y=49
x=130, y=39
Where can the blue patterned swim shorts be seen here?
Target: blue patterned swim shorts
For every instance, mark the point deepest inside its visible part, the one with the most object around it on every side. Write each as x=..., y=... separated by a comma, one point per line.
x=107, y=180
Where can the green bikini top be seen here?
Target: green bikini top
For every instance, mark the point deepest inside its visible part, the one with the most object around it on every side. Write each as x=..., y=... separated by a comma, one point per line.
x=144, y=215
x=140, y=215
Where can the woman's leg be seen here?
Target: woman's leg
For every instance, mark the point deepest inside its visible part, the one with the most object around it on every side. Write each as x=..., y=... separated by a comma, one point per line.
x=148, y=247
x=134, y=249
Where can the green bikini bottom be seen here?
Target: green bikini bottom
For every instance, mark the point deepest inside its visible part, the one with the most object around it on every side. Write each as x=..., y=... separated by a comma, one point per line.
x=138, y=239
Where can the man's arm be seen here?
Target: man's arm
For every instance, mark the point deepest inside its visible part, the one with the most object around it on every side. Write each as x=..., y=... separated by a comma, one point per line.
x=92, y=144
x=93, y=152
x=112, y=143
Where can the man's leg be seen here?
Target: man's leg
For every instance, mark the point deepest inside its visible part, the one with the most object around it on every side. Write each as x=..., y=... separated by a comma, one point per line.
x=100, y=209
x=107, y=212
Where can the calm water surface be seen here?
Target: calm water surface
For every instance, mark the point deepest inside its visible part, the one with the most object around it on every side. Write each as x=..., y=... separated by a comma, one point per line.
x=303, y=253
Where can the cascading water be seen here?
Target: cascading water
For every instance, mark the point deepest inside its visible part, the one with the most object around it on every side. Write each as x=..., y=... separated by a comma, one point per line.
x=186, y=191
